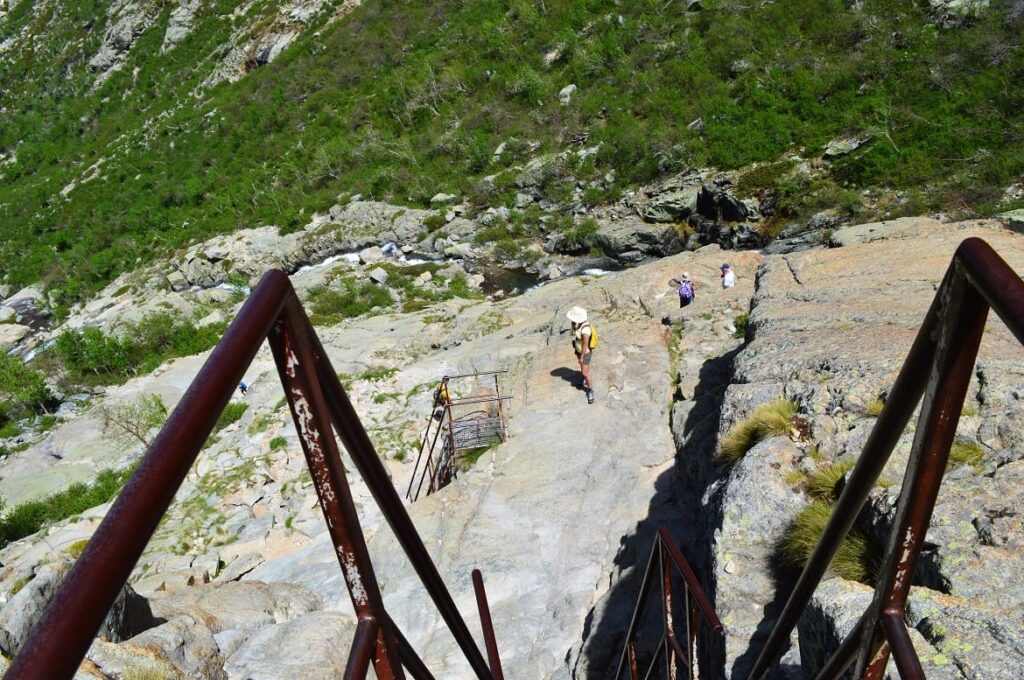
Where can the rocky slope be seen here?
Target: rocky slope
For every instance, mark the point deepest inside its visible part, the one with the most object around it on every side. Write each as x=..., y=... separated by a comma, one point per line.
x=829, y=330
x=240, y=581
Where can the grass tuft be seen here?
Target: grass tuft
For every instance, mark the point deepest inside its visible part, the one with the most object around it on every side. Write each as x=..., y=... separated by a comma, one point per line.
x=874, y=407
x=966, y=452
x=854, y=561
x=823, y=483
x=767, y=420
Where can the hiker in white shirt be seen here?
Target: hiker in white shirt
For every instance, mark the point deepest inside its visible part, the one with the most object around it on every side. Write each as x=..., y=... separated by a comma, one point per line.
x=728, y=276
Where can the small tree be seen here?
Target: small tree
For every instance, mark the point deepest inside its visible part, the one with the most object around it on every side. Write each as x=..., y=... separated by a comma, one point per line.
x=134, y=422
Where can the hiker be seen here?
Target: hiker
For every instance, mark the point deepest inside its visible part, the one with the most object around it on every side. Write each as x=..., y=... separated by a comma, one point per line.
x=583, y=344
x=686, y=293
x=243, y=388
x=442, y=398
x=728, y=276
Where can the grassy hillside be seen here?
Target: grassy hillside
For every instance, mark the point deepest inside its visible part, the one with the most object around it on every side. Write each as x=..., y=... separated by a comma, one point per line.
x=400, y=100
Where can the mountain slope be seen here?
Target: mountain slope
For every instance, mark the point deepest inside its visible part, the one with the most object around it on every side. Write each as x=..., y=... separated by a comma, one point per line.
x=123, y=137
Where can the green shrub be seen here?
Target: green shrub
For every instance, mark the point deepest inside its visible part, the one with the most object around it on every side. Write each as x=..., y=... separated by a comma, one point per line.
x=329, y=306
x=855, y=559
x=767, y=420
x=231, y=413
x=278, y=443
x=29, y=517
x=741, y=325
x=97, y=357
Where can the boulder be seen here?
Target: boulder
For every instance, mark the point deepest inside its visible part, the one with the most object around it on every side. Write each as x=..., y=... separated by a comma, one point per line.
x=566, y=93
x=842, y=146
x=616, y=237
x=177, y=281
x=443, y=199
x=129, y=615
x=213, y=318
x=371, y=255
x=1014, y=219
x=187, y=643
x=11, y=334
x=378, y=276
x=904, y=227
x=312, y=647
x=6, y=314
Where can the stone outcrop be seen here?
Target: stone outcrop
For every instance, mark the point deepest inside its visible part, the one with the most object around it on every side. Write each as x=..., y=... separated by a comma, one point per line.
x=243, y=582
x=828, y=330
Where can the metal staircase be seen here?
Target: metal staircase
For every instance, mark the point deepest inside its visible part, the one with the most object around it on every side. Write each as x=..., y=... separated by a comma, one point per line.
x=936, y=373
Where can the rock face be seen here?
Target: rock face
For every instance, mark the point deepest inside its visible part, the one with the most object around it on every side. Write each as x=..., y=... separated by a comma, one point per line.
x=242, y=581
x=829, y=330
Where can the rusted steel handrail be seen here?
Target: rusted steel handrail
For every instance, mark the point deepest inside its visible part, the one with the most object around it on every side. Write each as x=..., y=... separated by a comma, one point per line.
x=666, y=554
x=490, y=642
x=62, y=636
x=938, y=370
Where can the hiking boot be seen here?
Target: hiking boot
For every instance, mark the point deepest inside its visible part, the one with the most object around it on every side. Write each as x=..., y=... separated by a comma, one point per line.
x=590, y=396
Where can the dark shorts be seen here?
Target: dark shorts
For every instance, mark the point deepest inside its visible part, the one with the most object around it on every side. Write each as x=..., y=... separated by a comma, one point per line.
x=684, y=302
x=586, y=357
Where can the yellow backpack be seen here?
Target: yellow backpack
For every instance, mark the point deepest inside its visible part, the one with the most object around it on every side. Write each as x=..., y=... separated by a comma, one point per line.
x=593, y=336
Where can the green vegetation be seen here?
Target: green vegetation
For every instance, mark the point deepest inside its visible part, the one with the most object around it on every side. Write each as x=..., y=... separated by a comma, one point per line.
x=231, y=413
x=331, y=305
x=966, y=452
x=740, y=322
x=469, y=457
x=823, y=483
x=77, y=548
x=428, y=90
x=133, y=422
x=767, y=420
x=261, y=422
x=23, y=393
x=855, y=560
x=874, y=408
x=95, y=357
x=29, y=517
x=278, y=443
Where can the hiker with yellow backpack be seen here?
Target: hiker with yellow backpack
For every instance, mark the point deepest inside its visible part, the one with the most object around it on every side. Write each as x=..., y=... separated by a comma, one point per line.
x=584, y=341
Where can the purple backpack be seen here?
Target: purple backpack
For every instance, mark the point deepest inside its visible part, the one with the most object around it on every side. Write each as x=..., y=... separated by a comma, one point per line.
x=686, y=291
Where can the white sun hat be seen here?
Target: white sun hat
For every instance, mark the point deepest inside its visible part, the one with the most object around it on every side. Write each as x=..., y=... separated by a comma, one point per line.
x=577, y=315
x=686, y=276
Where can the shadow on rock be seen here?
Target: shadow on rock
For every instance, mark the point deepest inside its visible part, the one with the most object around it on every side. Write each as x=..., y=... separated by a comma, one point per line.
x=574, y=378
x=677, y=504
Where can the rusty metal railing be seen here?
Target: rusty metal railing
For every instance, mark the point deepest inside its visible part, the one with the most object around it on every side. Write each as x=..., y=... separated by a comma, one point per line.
x=664, y=556
x=61, y=638
x=939, y=369
x=471, y=429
